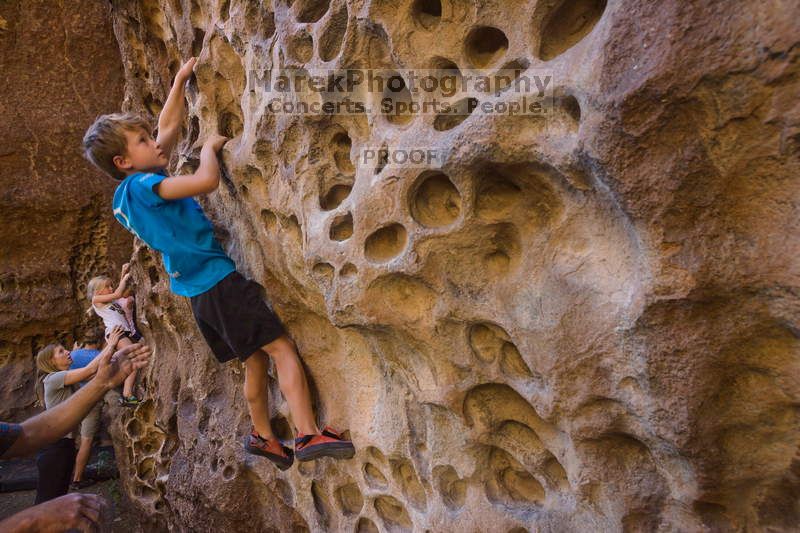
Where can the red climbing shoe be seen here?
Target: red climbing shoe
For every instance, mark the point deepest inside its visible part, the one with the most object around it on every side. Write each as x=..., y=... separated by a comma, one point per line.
x=328, y=444
x=273, y=449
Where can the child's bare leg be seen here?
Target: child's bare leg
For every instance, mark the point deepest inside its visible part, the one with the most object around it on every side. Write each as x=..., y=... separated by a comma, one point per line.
x=130, y=381
x=128, y=309
x=255, y=392
x=82, y=458
x=293, y=383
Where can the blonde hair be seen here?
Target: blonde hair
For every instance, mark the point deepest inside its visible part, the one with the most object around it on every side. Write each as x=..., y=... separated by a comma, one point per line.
x=105, y=139
x=96, y=283
x=44, y=362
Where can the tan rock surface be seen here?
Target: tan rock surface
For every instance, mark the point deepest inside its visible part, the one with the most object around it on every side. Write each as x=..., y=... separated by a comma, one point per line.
x=60, y=68
x=588, y=323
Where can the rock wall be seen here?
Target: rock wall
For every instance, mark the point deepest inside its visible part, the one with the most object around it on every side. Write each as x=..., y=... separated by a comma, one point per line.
x=583, y=323
x=56, y=231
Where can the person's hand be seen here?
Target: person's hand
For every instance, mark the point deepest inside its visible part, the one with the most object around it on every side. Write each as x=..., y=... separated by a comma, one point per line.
x=215, y=142
x=70, y=512
x=75, y=346
x=113, y=369
x=114, y=336
x=125, y=269
x=186, y=69
x=125, y=279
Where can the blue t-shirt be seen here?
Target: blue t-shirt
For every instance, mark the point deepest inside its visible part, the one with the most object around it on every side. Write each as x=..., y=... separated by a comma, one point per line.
x=178, y=229
x=82, y=357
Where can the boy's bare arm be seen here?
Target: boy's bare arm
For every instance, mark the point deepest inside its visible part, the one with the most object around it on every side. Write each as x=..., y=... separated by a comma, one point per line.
x=203, y=181
x=171, y=117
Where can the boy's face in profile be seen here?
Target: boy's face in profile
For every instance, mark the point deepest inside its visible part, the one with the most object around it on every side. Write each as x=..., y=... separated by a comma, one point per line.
x=142, y=153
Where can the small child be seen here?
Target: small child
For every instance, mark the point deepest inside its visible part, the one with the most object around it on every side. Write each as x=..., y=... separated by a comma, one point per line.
x=115, y=309
x=228, y=308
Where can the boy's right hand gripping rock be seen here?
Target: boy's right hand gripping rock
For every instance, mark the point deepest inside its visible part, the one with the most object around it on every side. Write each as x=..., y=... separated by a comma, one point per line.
x=215, y=142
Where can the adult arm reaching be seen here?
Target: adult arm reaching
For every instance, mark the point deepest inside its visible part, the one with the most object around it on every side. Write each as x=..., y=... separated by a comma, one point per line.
x=52, y=424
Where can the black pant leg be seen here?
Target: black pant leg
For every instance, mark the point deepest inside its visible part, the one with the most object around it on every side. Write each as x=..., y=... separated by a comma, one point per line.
x=55, y=464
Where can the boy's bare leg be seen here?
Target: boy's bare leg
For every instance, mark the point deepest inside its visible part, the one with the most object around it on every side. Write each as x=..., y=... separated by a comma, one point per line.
x=130, y=381
x=82, y=458
x=255, y=392
x=293, y=383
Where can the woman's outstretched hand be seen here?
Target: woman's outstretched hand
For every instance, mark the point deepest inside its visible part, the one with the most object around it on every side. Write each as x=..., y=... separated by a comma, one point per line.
x=113, y=369
x=115, y=336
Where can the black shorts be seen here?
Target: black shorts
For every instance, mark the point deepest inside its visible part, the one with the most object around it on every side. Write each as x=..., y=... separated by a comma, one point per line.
x=234, y=319
x=134, y=337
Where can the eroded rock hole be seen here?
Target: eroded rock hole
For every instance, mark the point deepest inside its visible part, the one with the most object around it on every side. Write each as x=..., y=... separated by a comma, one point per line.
x=152, y=274
x=509, y=74
x=153, y=105
x=556, y=474
x=194, y=131
x=323, y=272
x=349, y=499
x=383, y=159
x=224, y=11
x=451, y=487
x=334, y=197
x=509, y=483
x=134, y=429
x=496, y=197
x=484, y=45
x=228, y=473
x=342, y=227
x=269, y=220
x=330, y=41
x=396, y=102
x=394, y=515
x=427, y=13
x=434, y=200
x=376, y=454
x=320, y=502
x=374, y=477
x=511, y=362
x=571, y=106
x=349, y=270
x=406, y=476
x=448, y=76
x=230, y=124
x=459, y=112
x=197, y=41
x=341, y=152
x=365, y=525
x=258, y=20
x=386, y=243
x=310, y=10
x=300, y=47
x=568, y=24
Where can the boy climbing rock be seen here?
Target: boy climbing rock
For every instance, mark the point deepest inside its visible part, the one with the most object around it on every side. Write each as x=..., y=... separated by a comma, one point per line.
x=228, y=308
